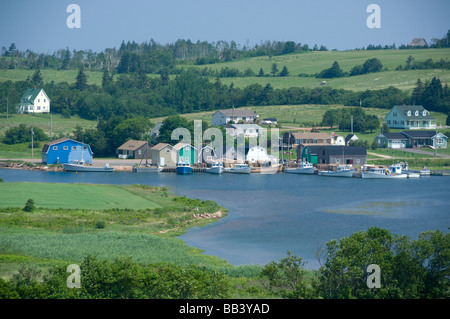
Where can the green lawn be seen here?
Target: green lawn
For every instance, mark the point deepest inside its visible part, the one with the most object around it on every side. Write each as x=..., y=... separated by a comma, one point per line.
x=74, y=196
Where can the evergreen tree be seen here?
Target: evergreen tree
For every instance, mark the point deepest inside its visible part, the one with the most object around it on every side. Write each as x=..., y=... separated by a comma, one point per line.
x=274, y=69
x=261, y=72
x=284, y=72
x=37, y=78
x=81, y=83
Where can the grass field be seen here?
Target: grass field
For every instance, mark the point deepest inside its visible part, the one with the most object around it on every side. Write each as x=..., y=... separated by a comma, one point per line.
x=55, y=122
x=311, y=63
x=136, y=220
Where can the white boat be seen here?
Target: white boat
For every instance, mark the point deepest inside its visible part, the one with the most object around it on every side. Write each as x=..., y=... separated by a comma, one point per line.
x=216, y=168
x=381, y=172
x=425, y=172
x=81, y=166
x=303, y=168
x=148, y=169
x=413, y=174
x=239, y=169
x=341, y=171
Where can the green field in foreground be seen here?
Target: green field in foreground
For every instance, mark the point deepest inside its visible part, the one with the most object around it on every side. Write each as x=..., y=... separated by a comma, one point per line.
x=71, y=221
x=74, y=196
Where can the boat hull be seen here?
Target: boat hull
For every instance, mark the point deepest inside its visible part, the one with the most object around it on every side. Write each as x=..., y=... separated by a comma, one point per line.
x=268, y=170
x=148, y=169
x=309, y=170
x=214, y=170
x=243, y=170
x=378, y=175
x=182, y=170
x=84, y=168
x=336, y=174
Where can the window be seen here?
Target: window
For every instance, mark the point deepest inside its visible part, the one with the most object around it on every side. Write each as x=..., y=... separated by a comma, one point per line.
x=55, y=148
x=416, y=113
x=85, y=147
x=167, y=151
x=394, y=113
x=66, y=148
x=45, y=100
x=39, y=100
x=74, y=148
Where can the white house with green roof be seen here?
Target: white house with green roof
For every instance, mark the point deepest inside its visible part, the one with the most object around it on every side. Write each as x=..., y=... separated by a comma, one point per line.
x=34, y=100
x=410, y=117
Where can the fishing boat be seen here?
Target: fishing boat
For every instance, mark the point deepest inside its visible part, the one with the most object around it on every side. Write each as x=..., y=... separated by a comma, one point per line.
x=81, y=166
x=216, y=168
x=382, y=172
x=268, y=169
x=239, y=169
x=148, y=169
x=341, y=171
x=302, y=168
x=425, y=171
x=184, y=168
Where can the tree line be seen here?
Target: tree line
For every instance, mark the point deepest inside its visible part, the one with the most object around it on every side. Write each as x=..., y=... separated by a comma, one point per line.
x=153, y=57
x=407, y=269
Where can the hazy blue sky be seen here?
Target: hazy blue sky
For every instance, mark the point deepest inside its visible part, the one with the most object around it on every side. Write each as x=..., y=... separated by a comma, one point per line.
x=41, y=25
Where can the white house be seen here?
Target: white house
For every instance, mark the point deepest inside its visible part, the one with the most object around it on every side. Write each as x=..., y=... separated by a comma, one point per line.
x=248, y=130
x=34, y=100
x=410, y=117
x=223, y=117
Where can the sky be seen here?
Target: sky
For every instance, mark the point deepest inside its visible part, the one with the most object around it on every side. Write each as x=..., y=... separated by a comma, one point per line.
x=41, y=26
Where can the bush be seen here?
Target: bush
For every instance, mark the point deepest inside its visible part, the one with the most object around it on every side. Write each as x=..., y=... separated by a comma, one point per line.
x=29, y=206
x=100, y=224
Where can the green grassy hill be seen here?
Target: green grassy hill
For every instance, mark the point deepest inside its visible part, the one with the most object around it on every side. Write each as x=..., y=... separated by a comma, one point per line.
x=310, y=63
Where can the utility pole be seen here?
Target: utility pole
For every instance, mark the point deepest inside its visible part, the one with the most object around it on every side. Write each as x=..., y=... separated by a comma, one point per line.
x=7, y=108
x=32, y=143
x=51, y=127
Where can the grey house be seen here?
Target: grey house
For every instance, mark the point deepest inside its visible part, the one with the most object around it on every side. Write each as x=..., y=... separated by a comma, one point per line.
x=410, y=117
x=391, y=140
x=426, y=138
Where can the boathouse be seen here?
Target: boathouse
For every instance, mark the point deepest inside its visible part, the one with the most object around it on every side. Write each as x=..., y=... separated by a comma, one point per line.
x=133, y=149
x=65, y=150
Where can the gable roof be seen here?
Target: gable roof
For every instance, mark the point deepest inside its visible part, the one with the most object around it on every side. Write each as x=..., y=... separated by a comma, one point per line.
x=238, y=112
x=132, y=145
x=180, y=145
x=418, y=42
x=46, y=146
x=30, y=95
x=160, y=146
x=404, y=109
x=419, y=134
x=394, y=136
x=345, y=150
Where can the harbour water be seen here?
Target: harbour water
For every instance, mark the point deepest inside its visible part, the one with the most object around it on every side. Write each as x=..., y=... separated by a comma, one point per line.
x=271, y=214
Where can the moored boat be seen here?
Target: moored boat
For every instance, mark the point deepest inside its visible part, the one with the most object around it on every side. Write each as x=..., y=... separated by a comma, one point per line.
x=147, y=169
x=381, y=172
x=341, y=171
x=302, y=168
x=81, y=166
x=268, y=168
x=216, y=168
x=183, y=168
x=239, y=169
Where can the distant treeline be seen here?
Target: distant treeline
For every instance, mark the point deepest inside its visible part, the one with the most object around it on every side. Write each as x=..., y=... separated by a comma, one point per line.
x=136, y=94
x=153, y=57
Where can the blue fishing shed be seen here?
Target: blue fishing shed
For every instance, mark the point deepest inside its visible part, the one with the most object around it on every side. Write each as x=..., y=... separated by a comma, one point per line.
x=65, y=151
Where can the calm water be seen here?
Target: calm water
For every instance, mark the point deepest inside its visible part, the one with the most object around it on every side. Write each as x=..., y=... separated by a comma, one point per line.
x=271, y=214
